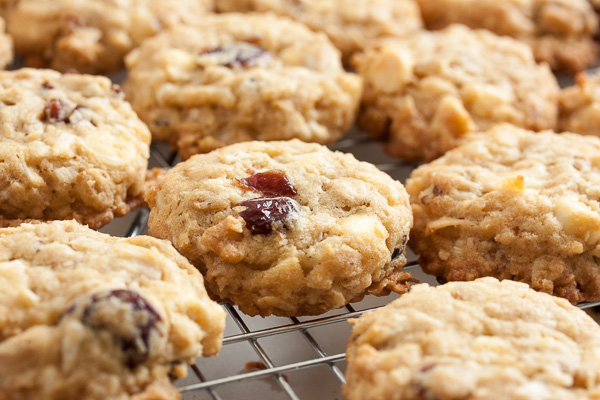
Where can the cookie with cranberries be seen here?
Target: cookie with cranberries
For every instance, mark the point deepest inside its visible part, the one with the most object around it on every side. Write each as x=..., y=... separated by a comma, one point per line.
x=241, y=77
x=71, y=147
x=285, y=227
x=84, y=315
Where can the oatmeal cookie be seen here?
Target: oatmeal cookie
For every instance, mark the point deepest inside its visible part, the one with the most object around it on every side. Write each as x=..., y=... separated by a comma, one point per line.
x=84, y=315
x=474, y=340
x=513, y=204
x=560, y=32
x=6, y=46
x=350, y=24
x=70, y=147
x=424, y=92
x=91, y=36
x=285, y=228
x=239, y=77
x=580, y=105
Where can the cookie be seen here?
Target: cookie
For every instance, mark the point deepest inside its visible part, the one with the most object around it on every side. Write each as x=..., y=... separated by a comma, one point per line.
x=91, y=36
x=516, y=205
x=70, y=147
x=285, y=228
x=350, y=24
x=474, y=340
x=580, y=105
x=423, y=93
x=240, y=77
x=6, y=46
x=560, y=32
x=84, y=315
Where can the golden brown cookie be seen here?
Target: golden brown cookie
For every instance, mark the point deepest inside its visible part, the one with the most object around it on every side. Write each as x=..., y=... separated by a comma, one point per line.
x=70, y=147
x=580, y=105
x=423, y=93
x=513, y=204
x=560, y=32
x=350, y=24
x=285, y=228
x=240, y=77
x=474, y=340
x=84, y=315
x=91, y=36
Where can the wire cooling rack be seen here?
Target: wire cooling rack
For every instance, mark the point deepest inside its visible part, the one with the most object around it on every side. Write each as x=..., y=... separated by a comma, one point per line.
x=280, y=358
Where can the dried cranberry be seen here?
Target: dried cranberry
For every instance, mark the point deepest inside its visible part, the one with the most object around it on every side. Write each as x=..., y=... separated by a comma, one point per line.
x=271, y=183
x=56, y=111
x=239, y=54
x=116, y=89
x=47, y=85
x=103, y=312
x=261, y=213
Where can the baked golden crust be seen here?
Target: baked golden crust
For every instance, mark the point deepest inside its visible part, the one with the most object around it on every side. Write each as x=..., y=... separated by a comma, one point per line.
x=423, y=93
x=580, y=105
x=70, y=147
x=240, y=77
x=91, y=36
x=516, y=205
x=340, y=237
x=350, y=24
x=474, y=340
x=560, y=32
x=87, y=315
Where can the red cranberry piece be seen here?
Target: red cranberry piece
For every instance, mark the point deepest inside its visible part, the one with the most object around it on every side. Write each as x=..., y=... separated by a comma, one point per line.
x=271, y=183
x=56, y=111
x=103, y=311
x=261, y=213
x=116, y=89
x=239, y=54
x=47, y=85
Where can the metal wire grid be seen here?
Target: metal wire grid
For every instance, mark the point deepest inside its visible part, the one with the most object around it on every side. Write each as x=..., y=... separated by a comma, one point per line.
x=203, y=385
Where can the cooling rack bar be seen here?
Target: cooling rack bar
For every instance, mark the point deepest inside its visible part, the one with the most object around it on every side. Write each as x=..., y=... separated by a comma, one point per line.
x=210, y=391
x=283, y=383
x=295, y=326
x=319, y=350
x=265, y=373
x=139, y=223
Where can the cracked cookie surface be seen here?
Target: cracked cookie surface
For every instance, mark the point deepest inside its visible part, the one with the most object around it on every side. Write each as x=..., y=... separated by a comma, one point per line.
x=580, y=105
x=91, y=36
x=350, y=24
x=285, y=228
x=240, y=77
x=474, y=340
x=87, y=315
x=423, y=93
x=513, y=204
x=70, y=148
x=560, y=32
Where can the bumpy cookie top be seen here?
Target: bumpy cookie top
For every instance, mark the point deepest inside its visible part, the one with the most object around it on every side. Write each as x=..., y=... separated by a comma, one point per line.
x=6, y=46
x=430, y=88
x=87, y=315
x=238, y=77
x=474, y=340
x=513, y=203
x=350, y=24
x=91, y=35
x=70, y=147
x=580, y=106
x=288, y=228
x=559, y=31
